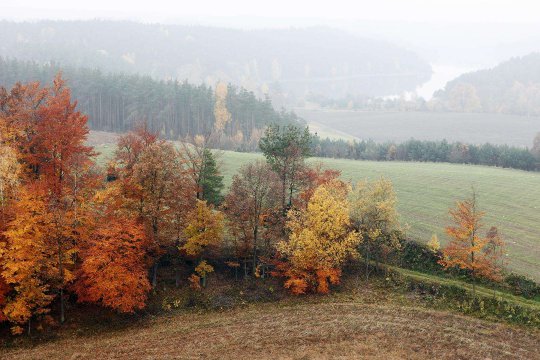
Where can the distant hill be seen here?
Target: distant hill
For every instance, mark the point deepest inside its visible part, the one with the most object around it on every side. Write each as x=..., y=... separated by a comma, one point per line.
x=511, y=87
x=288, y=63
x=116, y=102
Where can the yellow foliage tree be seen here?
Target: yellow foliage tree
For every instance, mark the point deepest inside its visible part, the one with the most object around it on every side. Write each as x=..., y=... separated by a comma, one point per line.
x=9, y=173
x=374, y=214
x=320, y=241
x=433, y=244
x=222, y=115
x=203, y=232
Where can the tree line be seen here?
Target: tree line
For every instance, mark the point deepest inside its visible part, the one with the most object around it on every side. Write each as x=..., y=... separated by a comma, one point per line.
x=433, y=151
x=175, y=110
x=70, y=230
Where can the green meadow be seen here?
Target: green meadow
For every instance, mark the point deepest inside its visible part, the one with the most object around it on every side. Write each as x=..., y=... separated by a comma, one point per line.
x=510, y=198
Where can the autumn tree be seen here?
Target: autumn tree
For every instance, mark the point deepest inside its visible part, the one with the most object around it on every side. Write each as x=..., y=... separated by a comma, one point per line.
x=9, y=174
x=221, y=113
x=130, y=147
x=310, y=178
x=203, y=233
x=285, y=149
x=319, y=243
x=248, y=204
x=113, y=257
x=48, y=135
x=434, y=244
x=374, y=215
x=204, y=170
x=29, y=262
x=153, y=190
x=468, y=249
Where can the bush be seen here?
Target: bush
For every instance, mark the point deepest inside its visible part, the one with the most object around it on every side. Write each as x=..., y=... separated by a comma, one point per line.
x=460, y=299
x=416, y=256
x=522, y=286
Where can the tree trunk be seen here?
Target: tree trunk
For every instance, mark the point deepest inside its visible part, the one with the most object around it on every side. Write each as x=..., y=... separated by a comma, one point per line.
x=154, y=274
x=255, y=231
x=61, y=290
x=62, y=313
x=367, y=264
x=176, y=277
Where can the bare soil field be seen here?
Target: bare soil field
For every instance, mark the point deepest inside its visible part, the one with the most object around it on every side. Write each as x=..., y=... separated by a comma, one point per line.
x=321, y=330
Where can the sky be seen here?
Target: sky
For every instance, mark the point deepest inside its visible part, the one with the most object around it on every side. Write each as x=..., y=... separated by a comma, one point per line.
x=515, y=11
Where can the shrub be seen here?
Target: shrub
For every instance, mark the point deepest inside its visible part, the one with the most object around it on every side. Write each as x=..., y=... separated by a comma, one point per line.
x=522, y=286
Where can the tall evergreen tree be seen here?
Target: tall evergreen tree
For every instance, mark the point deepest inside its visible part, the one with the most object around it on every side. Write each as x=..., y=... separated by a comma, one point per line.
x=211, y=181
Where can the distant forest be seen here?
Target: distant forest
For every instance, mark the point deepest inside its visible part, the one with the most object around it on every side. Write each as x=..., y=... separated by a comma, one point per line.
x=288, y=63
x=118, y=102
x=512, y=87
x=433, y=151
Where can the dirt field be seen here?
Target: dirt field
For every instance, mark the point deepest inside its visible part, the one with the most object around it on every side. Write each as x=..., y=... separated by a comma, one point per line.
x=330, y=330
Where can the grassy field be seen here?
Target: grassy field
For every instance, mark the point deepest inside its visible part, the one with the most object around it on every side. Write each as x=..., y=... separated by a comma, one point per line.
x=425, y=191
x=401, y=126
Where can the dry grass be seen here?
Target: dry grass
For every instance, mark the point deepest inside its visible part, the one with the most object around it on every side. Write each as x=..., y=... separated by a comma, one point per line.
x=321, y=330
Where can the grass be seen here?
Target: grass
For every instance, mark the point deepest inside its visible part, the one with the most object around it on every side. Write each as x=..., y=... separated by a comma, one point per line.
x=511, y=198
x=479, y=289
x=361, y=322
x=384, y=126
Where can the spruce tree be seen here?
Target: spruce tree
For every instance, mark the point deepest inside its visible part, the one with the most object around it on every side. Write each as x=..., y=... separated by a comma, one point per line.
x=211, y=181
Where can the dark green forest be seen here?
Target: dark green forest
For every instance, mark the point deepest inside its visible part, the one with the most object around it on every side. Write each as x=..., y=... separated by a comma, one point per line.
x=118, y=102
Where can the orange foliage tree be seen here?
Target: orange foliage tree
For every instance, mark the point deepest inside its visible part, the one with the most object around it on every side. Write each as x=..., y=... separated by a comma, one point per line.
x=29, y=260
x=468, y=250
x=48, y=135
x=158, y=189
x=113, y=265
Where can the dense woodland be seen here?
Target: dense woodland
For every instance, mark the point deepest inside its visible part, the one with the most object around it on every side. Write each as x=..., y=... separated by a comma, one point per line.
x=512, y=87
x=70, y=231
x=176, y=110
x=286, y=63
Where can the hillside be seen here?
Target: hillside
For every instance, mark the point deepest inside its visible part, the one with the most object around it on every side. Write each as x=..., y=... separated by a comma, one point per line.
x=511, y=87
x=118, y=102
x=288, y=63
x=354, y=326
x=427, y=190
